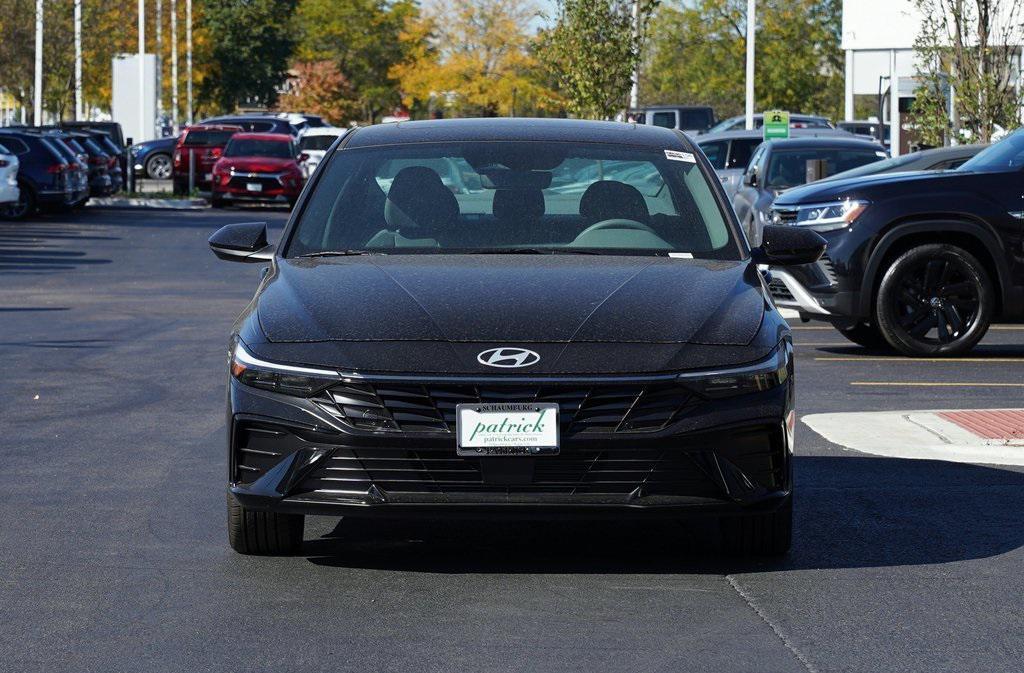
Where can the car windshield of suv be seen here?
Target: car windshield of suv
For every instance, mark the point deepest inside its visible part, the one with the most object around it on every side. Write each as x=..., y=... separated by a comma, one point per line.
x=516, y=197
x=250, y=147
x=316, y=142
x=1007, y=154
x=788, y=168
x=207, y=137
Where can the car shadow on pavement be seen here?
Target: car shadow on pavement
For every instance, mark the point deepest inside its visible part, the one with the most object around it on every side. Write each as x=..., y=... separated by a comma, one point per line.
x=851, y=512
x=980, y=352
x=42, y=248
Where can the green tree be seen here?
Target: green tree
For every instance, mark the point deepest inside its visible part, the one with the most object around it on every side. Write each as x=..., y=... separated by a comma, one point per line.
x=362, y=37
x=252, y=42
x=697, y=56
x=594, y=50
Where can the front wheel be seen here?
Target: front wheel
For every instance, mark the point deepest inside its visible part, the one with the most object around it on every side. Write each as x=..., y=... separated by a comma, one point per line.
x=158, y=167
x=263, y=533
x=762, y=534
x=935, y=300
x=22, y=208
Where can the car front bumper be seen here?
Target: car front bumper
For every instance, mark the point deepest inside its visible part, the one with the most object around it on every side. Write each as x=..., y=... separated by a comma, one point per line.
x=722, y=456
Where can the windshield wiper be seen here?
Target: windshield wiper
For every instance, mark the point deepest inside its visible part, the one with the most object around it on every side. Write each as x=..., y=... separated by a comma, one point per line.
x=339, y=253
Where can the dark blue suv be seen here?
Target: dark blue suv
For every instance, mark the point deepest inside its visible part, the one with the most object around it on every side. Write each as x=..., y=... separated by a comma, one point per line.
x=44, y=175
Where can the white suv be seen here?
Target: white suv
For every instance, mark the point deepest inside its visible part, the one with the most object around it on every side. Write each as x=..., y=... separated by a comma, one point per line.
x=8, y=176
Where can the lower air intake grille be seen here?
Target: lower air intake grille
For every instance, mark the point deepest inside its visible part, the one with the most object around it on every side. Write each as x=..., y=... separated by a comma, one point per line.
x=430, y=408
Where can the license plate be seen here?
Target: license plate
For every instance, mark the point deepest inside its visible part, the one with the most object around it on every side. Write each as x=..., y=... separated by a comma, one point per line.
x=254, y=186
x=506, y=429
x=207, y=177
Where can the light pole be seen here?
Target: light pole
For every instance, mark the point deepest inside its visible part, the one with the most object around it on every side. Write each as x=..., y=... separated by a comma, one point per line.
x=174, y=65
x=751, y=30
x=159, y=61
x=188, y=58
x=79, y=107
x=634, y=89
x=142, y=68
x=37, y=116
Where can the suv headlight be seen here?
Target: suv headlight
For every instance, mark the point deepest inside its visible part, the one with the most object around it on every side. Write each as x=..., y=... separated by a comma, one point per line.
x=764, y=375
x=830, y=216
x=286, y=379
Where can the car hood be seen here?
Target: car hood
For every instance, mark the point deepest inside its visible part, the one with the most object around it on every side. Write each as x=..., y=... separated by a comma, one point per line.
x=580, y=313
x=840, y=188
x=256, y=164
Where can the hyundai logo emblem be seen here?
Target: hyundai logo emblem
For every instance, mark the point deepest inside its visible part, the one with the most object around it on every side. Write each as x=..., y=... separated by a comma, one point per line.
x=508, y=357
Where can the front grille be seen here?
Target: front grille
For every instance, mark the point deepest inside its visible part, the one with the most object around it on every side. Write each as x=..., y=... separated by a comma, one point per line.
x=242, y=182
x=825, y=264
x=779, y=291
x=784, y=215
x=430, y=408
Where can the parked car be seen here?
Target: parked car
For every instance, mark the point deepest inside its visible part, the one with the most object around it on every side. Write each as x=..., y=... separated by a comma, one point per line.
x=779, y=165
x=302, y=122
x=796, y=121
x=411, y=353
x=113, y=131
x=154, y=159
x=314, y=142
x=115, y=165
x=206, y=144
x=692, y=119
x=78, y=165
x=254, y=123
x=938, y=159
x=260, y=167
x=9, y=193
x=923, y=262
x=98, y=159
x=44, y=175
x=868, y=129
x=730, y=151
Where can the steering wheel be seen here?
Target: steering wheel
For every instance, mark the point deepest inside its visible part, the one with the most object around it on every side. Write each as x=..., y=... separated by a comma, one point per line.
x=616, y=223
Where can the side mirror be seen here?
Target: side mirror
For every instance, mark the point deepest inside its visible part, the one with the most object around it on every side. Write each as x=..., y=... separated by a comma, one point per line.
x=788, y=245
x=245, y=242
x=750, y=178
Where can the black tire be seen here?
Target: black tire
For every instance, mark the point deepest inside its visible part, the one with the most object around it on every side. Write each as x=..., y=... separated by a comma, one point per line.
x=159, y=166
x=263, y=533
x=216, y=202
x=865, y=334
x=764, y=534
x=180, y=188
x=25, y=207
x=935, y=300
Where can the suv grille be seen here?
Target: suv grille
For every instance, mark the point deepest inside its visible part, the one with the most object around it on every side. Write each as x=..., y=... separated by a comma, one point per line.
x=430, y=408
x=784, y=215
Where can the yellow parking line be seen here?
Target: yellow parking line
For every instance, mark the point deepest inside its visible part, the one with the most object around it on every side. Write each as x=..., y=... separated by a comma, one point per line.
x=909, y=360
x=937, y=384
x=813, y=327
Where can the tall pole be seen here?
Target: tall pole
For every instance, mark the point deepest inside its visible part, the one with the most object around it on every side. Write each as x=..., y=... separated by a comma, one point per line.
x=174, y=65
x=751, y=29
x=634, y=89
x=37, y=117
x=159, y=61
x=188, y=59
x=79, y=107
x=142, y=69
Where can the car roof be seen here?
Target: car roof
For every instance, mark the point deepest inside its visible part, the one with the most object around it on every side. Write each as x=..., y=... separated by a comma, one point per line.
x=848, y=141
x=242, y=118
x=672, y=107
x=213, y=127
x=279, y=137
x=759, y=133
x=324, y=131
x=517, y=129
x=948, y=152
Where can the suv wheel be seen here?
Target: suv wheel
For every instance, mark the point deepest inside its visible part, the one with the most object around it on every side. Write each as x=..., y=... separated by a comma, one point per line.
x=158, y=166
x=763, y=534
x=25, y=205
x=864, y=334
x=264, y=533
x=935, y=299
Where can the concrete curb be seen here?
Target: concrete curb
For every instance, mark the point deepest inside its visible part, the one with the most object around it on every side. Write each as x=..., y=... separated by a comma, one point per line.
x=132, y=203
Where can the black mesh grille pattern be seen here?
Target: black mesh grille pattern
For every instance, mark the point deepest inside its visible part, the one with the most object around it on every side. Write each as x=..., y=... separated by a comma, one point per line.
x=825, y=264
x=780, y=291
x=430, y=408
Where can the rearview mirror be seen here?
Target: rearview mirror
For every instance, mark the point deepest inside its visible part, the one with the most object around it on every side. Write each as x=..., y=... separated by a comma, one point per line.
x=788, y=245
x=245, y=242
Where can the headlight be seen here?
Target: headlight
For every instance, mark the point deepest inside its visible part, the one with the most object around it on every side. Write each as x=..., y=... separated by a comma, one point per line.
x=760, y=376
x=830, y=216
x=286, y=379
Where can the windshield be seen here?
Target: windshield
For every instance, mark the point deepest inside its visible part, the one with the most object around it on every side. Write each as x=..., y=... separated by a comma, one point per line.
x=316, y=142
x=1004, y=155
x=207, y=137
x=789, y=168
x=522, y=197
x=252, y=147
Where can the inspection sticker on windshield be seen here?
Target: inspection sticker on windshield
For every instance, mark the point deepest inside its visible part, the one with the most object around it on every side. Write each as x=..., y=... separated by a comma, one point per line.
x=680, y=156
x=507, y=429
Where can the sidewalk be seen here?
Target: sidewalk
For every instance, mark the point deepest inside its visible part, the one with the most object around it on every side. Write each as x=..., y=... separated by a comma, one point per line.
x=134, y=202
x=987, y=436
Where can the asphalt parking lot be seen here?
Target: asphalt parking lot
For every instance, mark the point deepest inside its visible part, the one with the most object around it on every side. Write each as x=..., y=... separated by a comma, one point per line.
x=113, y=550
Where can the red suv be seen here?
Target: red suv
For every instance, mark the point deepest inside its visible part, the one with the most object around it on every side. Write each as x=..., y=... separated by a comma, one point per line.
x=206, y=145
x=258, y=167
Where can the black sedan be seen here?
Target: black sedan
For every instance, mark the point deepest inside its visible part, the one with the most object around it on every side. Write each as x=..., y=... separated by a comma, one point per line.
x=923, y=262
x=574, y=327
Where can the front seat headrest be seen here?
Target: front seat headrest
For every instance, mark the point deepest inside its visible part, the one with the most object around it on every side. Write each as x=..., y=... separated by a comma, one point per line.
x=418, y=202
x=613, y=200
x=518, y=204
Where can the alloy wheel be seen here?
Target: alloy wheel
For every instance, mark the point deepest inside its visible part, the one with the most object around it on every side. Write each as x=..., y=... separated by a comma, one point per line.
x=938, y=301
x=158, y=167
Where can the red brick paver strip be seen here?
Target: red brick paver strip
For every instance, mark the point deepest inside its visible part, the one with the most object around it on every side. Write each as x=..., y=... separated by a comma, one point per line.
x=989, y=423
